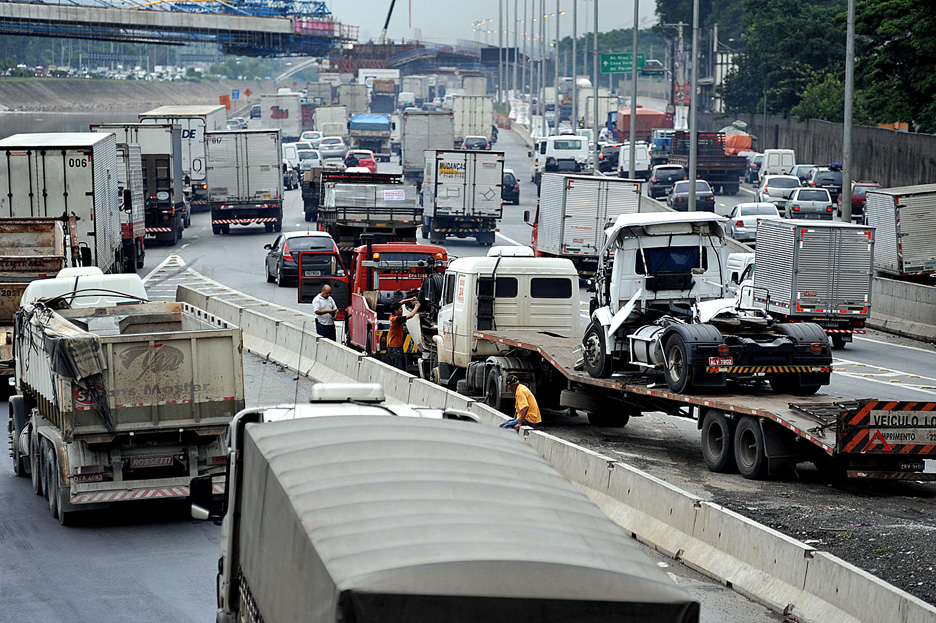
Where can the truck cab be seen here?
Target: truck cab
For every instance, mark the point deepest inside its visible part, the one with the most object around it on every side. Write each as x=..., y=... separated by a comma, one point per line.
x=564, y=153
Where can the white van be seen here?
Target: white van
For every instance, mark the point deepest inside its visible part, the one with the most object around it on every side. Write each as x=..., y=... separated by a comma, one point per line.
x=641, y=160
x=291, y=154
x=565, y=153
x=777, y=162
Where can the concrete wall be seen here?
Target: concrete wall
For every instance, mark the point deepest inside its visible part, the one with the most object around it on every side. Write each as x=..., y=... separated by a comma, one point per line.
x=886, y=156
x=904, y=308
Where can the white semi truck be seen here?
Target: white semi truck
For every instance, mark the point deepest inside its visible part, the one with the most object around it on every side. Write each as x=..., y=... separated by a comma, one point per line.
x=246, y=179
x=462, y=194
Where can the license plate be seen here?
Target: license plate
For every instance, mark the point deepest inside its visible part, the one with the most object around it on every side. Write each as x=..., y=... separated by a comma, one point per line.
x=150, y=461
x=828, y=324
x=311, y=273
x=911, y=466
x=721, y=361
x=82, y=478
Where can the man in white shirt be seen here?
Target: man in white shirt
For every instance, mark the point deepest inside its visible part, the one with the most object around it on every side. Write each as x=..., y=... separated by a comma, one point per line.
x=325, y=310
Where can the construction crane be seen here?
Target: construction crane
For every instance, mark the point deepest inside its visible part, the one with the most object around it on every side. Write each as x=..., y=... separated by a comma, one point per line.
x=383, y=33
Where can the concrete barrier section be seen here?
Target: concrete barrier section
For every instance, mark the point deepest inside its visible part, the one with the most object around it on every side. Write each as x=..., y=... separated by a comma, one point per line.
x=289, y=339
x=429, y=394
x=224, y=309
x=308, y=352
x=758, y=561
x=192, y=296
x=580, y=465
x=839, y=591
x=259, y=332
x=396, y=383
x=487, y=415
x=335, y=363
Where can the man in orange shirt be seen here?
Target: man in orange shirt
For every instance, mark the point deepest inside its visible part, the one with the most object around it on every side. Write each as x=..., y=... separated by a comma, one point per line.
x=525, y=407
x=396, y=336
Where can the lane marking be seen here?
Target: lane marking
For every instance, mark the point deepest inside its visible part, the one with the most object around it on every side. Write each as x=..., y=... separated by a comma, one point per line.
x=182, y=248
x=173, y=259
x=917, y=348
x=510, y=240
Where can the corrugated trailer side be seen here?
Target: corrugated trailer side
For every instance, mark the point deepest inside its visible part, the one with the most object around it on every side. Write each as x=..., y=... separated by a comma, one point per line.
x=903, y=218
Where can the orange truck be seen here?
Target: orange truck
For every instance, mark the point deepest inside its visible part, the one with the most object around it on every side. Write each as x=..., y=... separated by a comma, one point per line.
x=647, y=120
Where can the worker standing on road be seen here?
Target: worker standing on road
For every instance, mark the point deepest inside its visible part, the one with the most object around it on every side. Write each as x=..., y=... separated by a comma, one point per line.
x=325, y=310
x=396, y=336
x=526, y=409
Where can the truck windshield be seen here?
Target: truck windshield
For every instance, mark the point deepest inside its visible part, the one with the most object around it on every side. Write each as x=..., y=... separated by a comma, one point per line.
x=567, y=145
x=670, y=260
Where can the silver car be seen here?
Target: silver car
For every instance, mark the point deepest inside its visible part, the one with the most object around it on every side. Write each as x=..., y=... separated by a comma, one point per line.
x=312, y=137
x=777, y=189
x=333, y=147
x=742, y=222
x=810, y=203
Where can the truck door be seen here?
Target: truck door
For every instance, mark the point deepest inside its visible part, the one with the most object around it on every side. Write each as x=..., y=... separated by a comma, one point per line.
x=320, y=268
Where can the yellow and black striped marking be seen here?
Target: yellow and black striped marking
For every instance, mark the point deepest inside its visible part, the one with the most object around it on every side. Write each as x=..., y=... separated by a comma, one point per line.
x=767, y=369
x=409, y=344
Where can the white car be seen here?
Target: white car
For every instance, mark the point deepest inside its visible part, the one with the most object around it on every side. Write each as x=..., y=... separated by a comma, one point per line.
x=333, y=147
x=742, y=222
x=776, y=189
x=810, y=203
x=312, y=137
x=310, y=159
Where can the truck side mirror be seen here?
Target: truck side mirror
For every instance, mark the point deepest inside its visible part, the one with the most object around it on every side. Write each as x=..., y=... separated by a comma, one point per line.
x=526, y=216
x=205, y=504
x=529, y=154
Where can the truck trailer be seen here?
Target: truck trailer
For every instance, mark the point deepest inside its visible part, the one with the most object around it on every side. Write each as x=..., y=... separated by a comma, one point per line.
x=163, y=187
x=462, y=194
x=332, y=120
x=371, y=132
x=119, y=399
x=473, y=115
x=906, y=230
x=714, y=165
x=246, y=179
x=283, y=112
x=194, y=121
x=72, y=174
x=421, y=131
x=353, y=97
x=131, y=205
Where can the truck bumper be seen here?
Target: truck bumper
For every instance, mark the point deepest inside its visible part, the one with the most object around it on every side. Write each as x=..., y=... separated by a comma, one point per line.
x=107, y=492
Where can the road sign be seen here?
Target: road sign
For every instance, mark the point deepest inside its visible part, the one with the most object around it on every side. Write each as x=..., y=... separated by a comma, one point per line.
x=621, y=63
x=248, y=92
x=235, y=94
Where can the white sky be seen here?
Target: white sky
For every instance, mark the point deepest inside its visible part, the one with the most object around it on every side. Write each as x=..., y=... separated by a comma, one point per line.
x=446, y=21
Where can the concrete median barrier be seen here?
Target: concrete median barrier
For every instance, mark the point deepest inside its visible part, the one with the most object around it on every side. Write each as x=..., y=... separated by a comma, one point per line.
x=488, y=416
x=259, y=332
x=192, y=296
x=431, y=395
x=335, y=364
x=289, y=340
x=396, y=383
x=578, y=464
x=308, y=352
x=224, y=309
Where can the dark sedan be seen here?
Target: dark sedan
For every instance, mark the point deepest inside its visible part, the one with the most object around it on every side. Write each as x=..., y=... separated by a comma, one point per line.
x=282, y=259
x=510, y=188
x=662, y=178
x=608, y=157
x=678, y=197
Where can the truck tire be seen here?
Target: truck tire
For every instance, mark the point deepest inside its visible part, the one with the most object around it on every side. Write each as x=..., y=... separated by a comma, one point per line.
x=216, y=230
x=436, y=237
x=749, y=448
x=717, y=442
x=838, y=341
x=676, y=368
x=35, y=463
x=140, y=254
x=130, y=259
x=598, y=362
x=308, y=217
x=49, y=487
x=486, y=239
x=492, y=397
x=174, y=237
x=278, y=225
x=268, y=227
x=18, y=421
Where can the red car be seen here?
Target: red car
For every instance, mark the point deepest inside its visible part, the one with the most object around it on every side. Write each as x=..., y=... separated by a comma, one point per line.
x=364, y=157
x=859, y=196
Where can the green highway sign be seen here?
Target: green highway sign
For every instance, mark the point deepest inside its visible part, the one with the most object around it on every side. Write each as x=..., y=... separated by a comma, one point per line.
x=621, y=63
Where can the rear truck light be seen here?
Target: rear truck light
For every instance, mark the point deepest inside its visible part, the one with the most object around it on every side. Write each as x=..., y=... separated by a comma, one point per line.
x=739, y=224
x=219, y=460
x=286, y=254
x=816, y=348
x=723, y=350
x=859, y=324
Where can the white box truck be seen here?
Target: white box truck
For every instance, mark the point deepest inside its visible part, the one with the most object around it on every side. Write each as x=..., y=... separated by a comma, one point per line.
x=421, y=131
x=332, y=120
x=574, y=211
x=462, y=194
x=70, y=173
x=906, y=229
x=194, y=121
x=473, y=116
x=418, y=86
x=161, y=158
x=131, y=205
x=353, y=97
x=246, y=179
x=282, y=112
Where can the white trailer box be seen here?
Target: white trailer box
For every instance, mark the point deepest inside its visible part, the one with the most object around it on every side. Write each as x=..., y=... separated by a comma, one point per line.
x=366, y=75
x=194, y=121
x=462, y=194
x=422, y=131
x=332, y=120
x=73, y=173
x=282, y=112
x=906, y=229
x=606, y=104
x=473, y=116
x=418, y=86
x=245, y=166
x=475, y=85
x=353, y=97
x=574, y=211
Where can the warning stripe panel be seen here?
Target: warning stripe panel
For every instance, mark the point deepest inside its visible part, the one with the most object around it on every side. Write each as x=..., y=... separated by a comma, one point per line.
x=234, y=221
x=893, y=428
x=158, y=230
x=767, y=369
x=123, y=495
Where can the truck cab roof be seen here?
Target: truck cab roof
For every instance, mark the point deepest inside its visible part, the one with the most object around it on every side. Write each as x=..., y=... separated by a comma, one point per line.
x=505, y=264
x=88, y=290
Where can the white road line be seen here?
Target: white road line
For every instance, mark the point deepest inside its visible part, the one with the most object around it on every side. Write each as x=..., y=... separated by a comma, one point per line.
x=750, y=192
x=173, y=258
x=859, y=377
x=922, y=350
x=510, y=240
x=182, y=248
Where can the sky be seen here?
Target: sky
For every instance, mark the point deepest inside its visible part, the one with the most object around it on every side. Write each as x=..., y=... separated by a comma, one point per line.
x=447, y=21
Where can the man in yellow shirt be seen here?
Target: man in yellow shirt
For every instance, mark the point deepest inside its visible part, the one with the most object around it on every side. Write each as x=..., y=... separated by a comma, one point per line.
x=525, y=407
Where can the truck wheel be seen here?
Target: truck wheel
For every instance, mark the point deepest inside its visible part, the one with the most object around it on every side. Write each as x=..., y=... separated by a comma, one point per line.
x=225, y=229
x=216, y=230
x=50, y=488
x=174, y=238
x=598, y=362
x=130, y=259
x=35, y=463
x=486, y=239
x=435, y=237
x=838, y=341
x=718, y=442
x=676, y=367
x=268, y=227
x=140, y=255
x=749, y=448
x=21, y=465
x=278, y=225
x=492, y=397
x=308, y=217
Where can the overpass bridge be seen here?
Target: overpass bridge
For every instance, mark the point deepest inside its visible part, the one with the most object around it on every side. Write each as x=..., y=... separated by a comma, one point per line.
x=244, y=27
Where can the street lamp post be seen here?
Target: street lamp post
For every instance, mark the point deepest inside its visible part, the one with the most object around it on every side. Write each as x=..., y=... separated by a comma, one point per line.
x=574, y=63
x=515, y=48
x=595, y=87
x=632, y=170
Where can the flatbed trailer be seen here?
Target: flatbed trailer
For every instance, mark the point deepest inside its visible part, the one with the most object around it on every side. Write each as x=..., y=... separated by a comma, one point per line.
x=867, y=438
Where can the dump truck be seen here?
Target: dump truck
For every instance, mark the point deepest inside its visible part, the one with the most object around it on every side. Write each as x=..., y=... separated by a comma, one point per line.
x=573, y=212
x=30, y=249
x=194, y=122
x=67, y=173
x=462, y=194
x=294, y=475
x=119, y=399
x=713, y=164
x=246, y=179
x=131, y=205
x=160, y=144
x=421, y=131
x=807, y=271
x=906, y=230
x=372, y=132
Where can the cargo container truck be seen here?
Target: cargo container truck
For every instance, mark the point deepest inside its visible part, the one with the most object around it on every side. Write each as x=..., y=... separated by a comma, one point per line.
x=906, y=229
x=721, y=171
x=321, y=93
x=472, y=116
x=462, y=195
x=418, y=86
x=246, y=179
x=372, y=132
x=421, y=131
x=72, y=174
x=353, y=97
x=194, y=121
x=332, y=120
x=131, y=205
x=119, y=399
x=161, y=159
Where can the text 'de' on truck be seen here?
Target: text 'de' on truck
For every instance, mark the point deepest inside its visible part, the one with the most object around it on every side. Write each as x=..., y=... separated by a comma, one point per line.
x=118, y=401
x=246, y=180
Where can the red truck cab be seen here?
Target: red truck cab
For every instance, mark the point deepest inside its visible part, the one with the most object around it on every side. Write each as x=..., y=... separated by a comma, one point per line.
x=382, y=274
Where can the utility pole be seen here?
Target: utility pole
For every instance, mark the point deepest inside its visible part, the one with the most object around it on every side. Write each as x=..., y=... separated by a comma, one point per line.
x=595, y=89
x=849, y=95
x=694, y=108
x=500, y=50
x=574, y=115
x=556, y=74
x=516, y=28
x=526, y=52
x=542, y=73
x=631, y=171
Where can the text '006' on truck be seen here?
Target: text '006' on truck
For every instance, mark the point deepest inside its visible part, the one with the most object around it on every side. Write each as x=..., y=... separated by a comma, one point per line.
x=417, y=479
x=118, y=399
x=659, y=304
